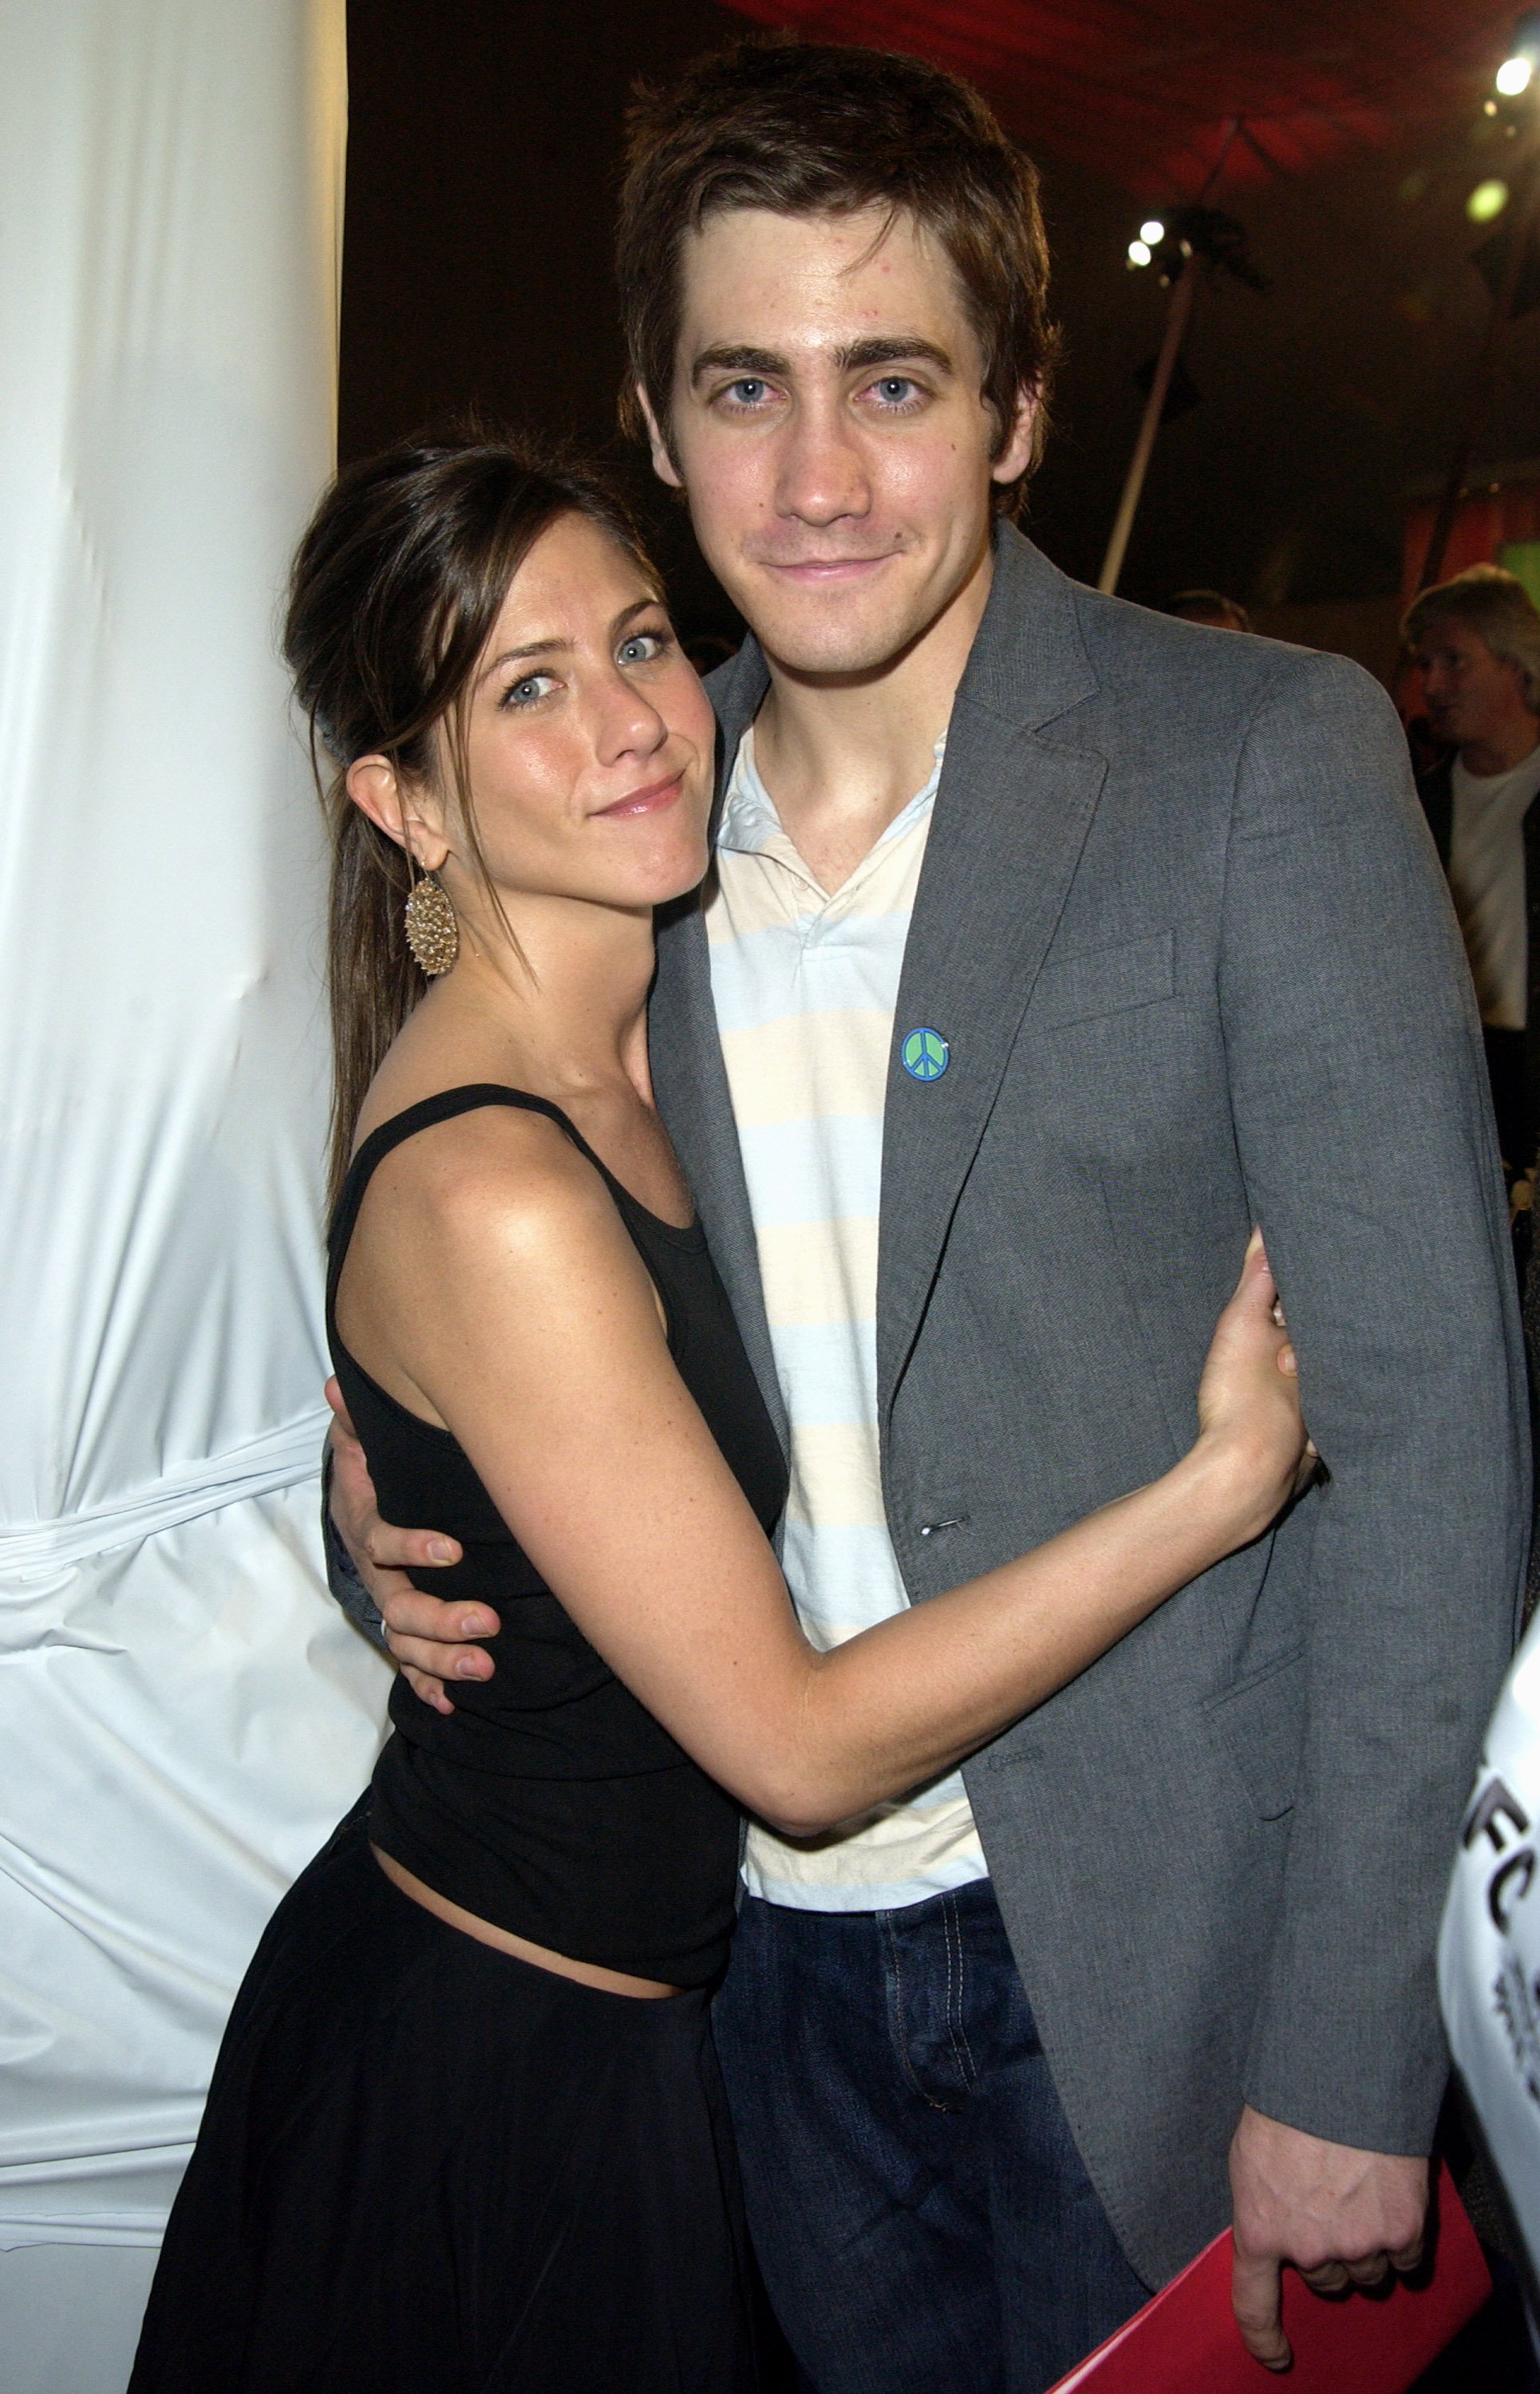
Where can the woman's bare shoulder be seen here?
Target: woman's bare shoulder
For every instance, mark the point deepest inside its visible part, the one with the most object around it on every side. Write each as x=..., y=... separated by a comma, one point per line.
x=490, y=1258
x=496, y=1173
x=492, y=1162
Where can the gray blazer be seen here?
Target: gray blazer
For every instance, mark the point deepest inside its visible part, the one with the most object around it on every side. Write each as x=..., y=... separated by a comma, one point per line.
x=1181, y=921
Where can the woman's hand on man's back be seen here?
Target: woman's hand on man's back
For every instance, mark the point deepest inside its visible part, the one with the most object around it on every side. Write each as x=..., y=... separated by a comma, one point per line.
x=428, y=1637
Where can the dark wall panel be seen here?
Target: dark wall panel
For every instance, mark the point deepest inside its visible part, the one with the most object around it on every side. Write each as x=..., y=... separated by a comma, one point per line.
x=483, y=155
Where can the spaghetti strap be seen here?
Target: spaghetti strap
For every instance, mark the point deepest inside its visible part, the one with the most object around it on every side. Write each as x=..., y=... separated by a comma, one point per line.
x=443, y=1107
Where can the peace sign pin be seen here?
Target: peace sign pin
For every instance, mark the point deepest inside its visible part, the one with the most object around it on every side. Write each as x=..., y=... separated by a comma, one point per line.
x=925, y=1054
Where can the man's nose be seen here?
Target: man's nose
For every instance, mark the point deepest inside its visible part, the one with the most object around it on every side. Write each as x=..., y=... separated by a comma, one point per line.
x=823, y=473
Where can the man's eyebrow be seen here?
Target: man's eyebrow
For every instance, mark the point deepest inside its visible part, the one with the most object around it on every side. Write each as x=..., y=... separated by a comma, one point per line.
x=893, y=348
x=878, y=349
x=733, y=358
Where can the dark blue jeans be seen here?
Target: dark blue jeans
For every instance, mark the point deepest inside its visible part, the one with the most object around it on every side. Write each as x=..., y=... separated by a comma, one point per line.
x=921, y=2216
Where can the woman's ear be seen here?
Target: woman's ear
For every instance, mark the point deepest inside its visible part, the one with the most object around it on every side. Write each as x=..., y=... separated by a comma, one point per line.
x=402, y=810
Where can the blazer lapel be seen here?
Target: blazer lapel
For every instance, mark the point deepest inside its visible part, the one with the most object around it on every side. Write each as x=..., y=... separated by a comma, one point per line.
x=689, y=1076
x=1012, y=810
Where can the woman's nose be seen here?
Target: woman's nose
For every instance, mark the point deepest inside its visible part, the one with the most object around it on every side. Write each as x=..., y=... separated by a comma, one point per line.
x=629, y=724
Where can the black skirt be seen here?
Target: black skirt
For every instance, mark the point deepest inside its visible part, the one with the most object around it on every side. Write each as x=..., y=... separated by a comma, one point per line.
x=429, y=2168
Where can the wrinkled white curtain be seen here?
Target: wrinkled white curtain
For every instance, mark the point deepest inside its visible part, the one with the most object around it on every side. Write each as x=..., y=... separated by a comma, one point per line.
x=183, y=1712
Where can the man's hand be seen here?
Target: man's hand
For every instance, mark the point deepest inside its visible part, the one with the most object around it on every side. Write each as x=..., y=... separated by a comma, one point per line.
x=1342, y=2217
x=425, y=1636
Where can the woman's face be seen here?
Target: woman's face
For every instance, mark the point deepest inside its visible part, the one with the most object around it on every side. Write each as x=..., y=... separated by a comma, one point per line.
x=589, y=740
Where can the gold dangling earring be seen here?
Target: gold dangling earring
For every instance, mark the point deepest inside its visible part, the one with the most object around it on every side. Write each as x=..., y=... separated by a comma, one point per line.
x=432, y=933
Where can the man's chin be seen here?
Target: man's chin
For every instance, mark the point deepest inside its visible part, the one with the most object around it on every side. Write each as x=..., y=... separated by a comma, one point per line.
x=844, y=632
x=853, y=667
x=826, y=650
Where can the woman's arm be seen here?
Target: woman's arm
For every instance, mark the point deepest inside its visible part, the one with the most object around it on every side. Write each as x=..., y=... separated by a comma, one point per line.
x=494, y=1279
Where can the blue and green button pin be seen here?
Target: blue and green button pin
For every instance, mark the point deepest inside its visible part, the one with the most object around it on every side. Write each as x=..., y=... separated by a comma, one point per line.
x=925, y=1054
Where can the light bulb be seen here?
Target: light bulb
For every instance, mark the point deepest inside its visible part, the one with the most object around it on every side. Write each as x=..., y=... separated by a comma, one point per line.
x=1513, y=76
x=1139, y=252
x=1488, y=200
x=1151, y=229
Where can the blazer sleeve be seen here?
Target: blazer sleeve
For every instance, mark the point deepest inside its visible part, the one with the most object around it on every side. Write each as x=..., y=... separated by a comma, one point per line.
x=1364, y=1133
x=341, y=1578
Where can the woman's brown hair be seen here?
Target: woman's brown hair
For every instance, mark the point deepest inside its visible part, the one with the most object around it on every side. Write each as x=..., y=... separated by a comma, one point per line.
x=396, y=589
x=810, y=128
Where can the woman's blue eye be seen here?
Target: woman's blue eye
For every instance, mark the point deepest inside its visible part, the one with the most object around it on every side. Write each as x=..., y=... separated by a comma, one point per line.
x=526, y=692
x=640, y=648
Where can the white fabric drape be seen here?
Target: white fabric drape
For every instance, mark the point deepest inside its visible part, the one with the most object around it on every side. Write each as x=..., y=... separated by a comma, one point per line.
x=183, y=1713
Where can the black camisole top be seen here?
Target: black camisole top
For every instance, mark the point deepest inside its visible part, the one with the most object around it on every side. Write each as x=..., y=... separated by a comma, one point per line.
x=550, y=1802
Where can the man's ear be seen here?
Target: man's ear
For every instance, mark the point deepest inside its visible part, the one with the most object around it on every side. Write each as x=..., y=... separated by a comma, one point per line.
x=1016, y=457
x=663, y=463
x=377, y=791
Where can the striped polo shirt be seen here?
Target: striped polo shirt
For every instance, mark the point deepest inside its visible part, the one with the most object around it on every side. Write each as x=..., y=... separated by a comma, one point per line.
x=805, y=985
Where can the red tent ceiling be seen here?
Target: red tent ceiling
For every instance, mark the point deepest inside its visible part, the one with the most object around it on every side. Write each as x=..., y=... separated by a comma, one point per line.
x=1143, y=94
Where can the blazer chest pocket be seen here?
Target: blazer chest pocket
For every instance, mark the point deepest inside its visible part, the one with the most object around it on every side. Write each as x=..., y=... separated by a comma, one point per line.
x=1259, y=1724
x=1104, y=981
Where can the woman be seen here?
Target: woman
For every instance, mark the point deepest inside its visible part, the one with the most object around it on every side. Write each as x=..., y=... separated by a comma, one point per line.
x=540, y=1361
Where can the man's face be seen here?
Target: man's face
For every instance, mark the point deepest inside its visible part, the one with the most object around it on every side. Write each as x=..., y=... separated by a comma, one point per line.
x=829, y=432
x=1470, y=694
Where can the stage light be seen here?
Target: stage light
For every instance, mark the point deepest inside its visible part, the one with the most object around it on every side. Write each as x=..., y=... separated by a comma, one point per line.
x=1139, y=252
x=1517, y=73
x=1488, y=200
x=1152, y=230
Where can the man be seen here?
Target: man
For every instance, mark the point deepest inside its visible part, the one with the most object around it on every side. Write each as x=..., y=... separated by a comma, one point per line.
x=1476, y=638
x=1043, y=954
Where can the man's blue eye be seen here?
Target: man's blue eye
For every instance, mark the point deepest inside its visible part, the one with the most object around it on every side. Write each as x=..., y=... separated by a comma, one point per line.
x=749, y=391
x=895, y=388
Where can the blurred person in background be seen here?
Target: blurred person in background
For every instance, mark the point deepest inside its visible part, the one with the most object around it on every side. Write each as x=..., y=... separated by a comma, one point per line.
x=1477, y=640
x=1210, y=607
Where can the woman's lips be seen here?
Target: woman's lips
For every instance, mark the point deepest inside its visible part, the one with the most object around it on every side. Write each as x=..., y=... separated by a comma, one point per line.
x=648, y=801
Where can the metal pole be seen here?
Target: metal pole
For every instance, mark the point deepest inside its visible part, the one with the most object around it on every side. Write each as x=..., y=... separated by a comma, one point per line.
x=1488, y=373
x=1180, y=309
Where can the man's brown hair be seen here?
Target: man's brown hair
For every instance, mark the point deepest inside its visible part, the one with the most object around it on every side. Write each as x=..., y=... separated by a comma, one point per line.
x=805, y=129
